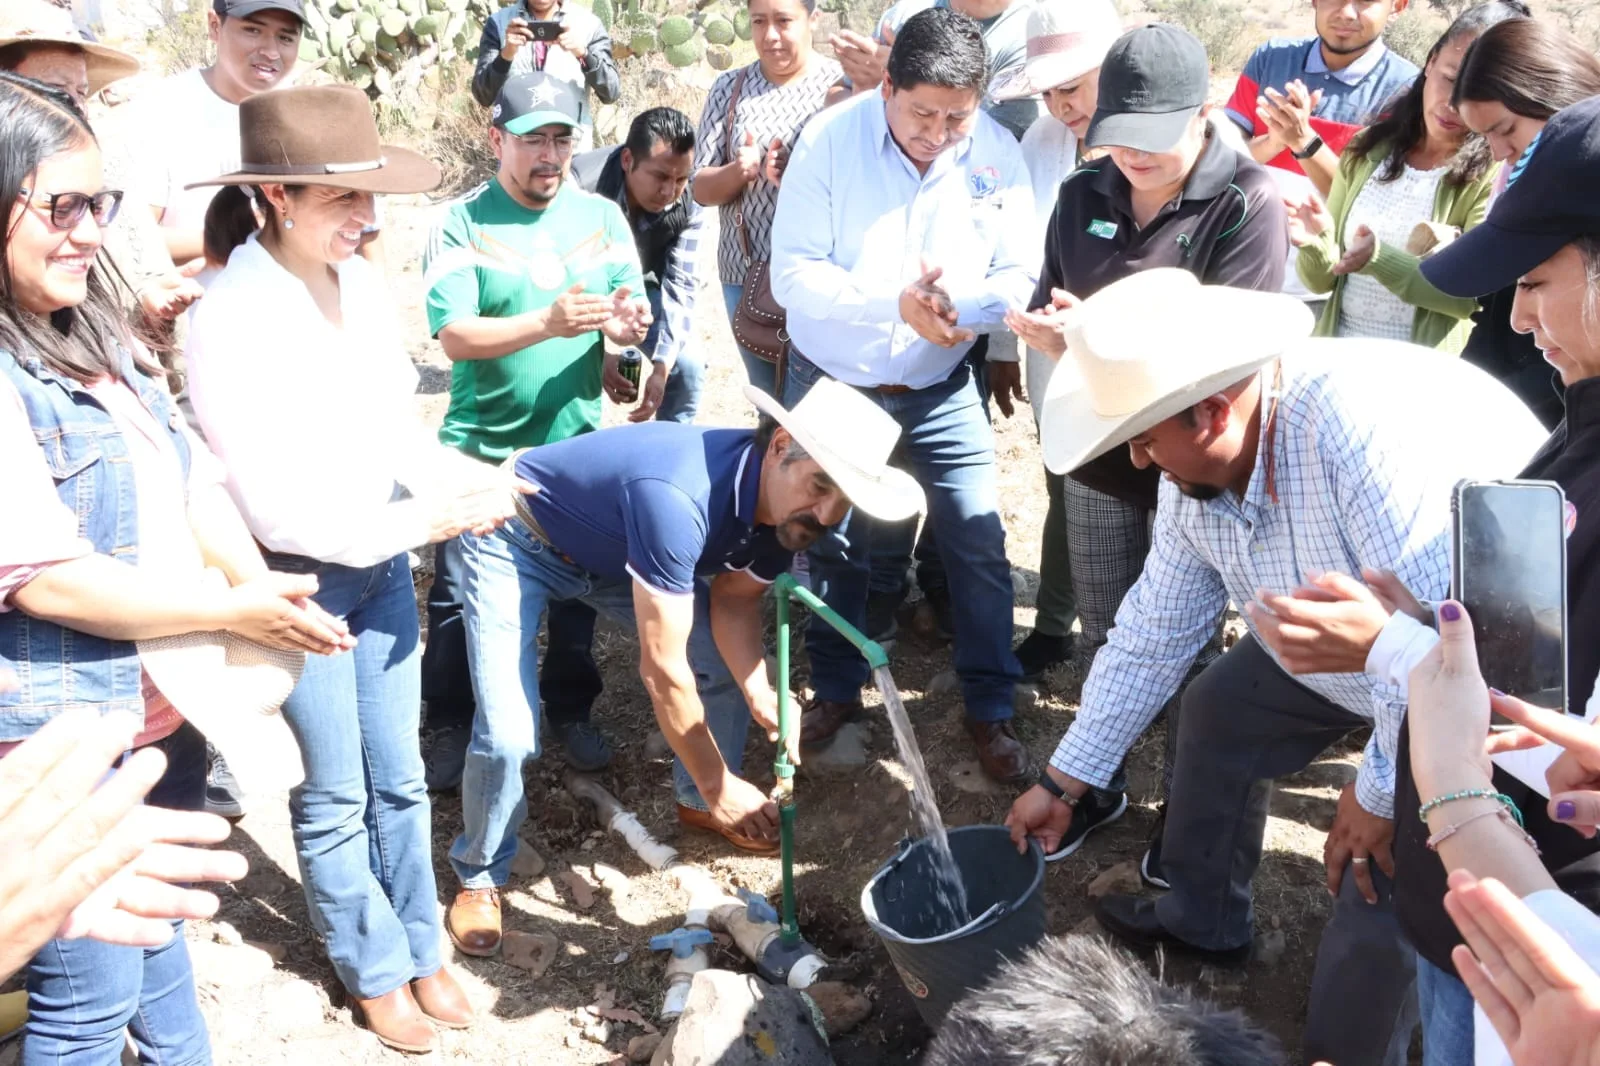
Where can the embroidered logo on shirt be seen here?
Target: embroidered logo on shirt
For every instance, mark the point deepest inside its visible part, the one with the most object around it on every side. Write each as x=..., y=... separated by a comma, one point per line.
x=985, y=180
x=1102, y=229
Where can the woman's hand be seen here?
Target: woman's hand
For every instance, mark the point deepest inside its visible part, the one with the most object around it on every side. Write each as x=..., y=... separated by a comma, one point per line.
x=1308, y=219
x=276, y=610
x=1540, y=995
x=1358, y=252
x=480, y=510
x=1574, y=777
x=1045, y=329
x=1449, y=712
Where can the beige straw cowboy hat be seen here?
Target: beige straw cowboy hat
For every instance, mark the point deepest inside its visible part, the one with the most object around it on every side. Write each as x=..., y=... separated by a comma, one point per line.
x=851, y=438
x=1066, y=39
x=38, y=22
x=1156, y=343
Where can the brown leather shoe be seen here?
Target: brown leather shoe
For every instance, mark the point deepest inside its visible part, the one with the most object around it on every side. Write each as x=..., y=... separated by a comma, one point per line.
x=702, y=820
x=473, y=921
x=442, y=1000
x=397, y=1021
x=999, y=751
x=820, y=721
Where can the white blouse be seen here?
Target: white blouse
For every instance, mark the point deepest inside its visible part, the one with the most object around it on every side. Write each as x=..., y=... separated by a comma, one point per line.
x=1391, y=209
x=315, y=423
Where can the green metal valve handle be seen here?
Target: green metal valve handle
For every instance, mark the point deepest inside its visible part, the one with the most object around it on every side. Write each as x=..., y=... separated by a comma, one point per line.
x=787, y=589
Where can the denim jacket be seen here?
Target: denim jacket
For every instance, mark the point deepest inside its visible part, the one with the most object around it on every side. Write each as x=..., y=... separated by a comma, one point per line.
x=59, y=668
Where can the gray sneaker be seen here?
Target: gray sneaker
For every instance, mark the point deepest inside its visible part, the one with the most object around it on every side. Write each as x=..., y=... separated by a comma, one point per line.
x=587, y=749
x=444, y=756
x=222, y=790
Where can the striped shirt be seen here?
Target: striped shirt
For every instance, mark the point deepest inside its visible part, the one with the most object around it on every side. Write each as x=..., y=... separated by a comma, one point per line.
x=1362, y=474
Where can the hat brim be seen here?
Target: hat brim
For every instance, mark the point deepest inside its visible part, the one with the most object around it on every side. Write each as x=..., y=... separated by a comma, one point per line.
x=246, y=10
x=1259, y=326
x=1038, y=76
x=1488, y=258
x=403, y=172
x=105, y=64
x=887, y=494
x=532, y=121
x=1142, y=132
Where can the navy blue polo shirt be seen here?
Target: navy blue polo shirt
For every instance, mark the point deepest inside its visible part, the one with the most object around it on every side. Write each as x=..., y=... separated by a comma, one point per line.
x=660, y=501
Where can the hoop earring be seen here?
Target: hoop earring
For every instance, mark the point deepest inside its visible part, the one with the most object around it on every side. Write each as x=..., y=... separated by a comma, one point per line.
x=288, y=223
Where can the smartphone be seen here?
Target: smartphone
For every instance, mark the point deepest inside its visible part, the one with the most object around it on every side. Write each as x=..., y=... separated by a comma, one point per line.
x=544, y=30
x=1509, y=570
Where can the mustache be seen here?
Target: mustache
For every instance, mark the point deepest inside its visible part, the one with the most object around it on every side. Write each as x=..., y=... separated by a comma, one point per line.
x=806, y=522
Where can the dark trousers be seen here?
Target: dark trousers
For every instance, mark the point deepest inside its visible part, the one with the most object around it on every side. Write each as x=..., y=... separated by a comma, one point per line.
x=568, y=677
x=1242, y=723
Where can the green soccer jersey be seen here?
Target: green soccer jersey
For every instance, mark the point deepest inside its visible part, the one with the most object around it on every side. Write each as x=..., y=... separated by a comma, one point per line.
x=491, y=257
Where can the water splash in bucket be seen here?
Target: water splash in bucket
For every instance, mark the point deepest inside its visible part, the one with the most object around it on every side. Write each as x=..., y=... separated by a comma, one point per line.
x=949, y=894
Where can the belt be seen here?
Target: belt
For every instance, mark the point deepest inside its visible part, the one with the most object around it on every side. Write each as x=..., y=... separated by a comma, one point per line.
x=530, y=523
x=891, y=390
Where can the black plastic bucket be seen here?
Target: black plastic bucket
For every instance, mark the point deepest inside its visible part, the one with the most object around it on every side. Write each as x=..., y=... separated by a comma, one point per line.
x=1003, y=898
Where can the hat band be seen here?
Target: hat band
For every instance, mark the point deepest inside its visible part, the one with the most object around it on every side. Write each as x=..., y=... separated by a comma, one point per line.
x=307, y=169
x=1055, y=44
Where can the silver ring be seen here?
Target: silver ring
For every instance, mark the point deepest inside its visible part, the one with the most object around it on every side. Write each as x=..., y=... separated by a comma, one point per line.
x=1359, y=860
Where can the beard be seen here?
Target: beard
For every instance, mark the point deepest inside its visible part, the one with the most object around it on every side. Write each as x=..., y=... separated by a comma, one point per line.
x=1199, y=492
x=799, y=532
x=535, y=185
x=1350, y=50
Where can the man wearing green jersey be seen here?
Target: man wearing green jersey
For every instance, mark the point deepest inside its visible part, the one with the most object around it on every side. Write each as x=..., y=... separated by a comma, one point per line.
x=526, y=278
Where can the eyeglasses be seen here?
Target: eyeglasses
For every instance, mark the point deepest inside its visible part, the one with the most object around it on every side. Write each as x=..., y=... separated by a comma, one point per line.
x=66, y=209
x=541, y=141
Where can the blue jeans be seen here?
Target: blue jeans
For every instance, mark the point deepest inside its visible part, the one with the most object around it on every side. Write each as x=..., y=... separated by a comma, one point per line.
x=949, y=446
x=681, y=400
x=1446, y=1016
x=82, y=994
x=508, y=579
x=361, y=819
x=763, y=375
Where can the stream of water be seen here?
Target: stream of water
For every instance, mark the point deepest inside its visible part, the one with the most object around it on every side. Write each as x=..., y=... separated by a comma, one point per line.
x=949, y=895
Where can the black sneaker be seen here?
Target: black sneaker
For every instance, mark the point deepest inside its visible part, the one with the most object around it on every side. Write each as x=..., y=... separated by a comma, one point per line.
x=222, y=790
x=1150, y=866
x=882, y=625
x=444, y=756
x=1097, y=808
x=1038, y=652
x=585, y=747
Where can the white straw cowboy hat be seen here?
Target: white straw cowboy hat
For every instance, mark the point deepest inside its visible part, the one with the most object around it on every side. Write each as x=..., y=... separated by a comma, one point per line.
x=39, y=22
x=851, y=438
x=231, y=689
x=1151, y=346
x=1066, y=40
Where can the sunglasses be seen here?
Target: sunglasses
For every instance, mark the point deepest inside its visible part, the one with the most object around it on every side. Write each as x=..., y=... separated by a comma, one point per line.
x=66, y=209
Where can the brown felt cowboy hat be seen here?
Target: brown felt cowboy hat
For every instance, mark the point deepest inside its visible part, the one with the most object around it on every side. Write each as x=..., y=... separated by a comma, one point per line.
x=41, y=23
x=321, y=135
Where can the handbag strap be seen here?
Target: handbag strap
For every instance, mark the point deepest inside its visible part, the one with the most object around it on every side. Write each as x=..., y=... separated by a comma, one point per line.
x=733, y=103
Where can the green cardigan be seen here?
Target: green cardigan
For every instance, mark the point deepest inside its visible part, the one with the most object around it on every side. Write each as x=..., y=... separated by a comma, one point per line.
x=1441, y=321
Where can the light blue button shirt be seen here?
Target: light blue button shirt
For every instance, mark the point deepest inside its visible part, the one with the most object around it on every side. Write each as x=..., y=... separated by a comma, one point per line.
x=856, y=221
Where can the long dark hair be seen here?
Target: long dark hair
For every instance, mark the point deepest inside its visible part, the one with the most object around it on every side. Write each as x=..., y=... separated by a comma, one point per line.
x=1531, y=67
x=83, y=342
x=1402, y=126
x=235, y=213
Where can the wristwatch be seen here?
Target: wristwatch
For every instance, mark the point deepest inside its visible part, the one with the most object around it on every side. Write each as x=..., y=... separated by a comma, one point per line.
x=1313, y=146
x=1048, y=783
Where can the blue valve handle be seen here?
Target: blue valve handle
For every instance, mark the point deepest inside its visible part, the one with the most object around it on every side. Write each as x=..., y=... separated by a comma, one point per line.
x=681, y=942
x=756, y=907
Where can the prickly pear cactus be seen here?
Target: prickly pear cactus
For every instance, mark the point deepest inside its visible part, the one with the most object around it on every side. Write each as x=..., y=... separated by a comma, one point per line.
x=385, y=46
x=685, y=32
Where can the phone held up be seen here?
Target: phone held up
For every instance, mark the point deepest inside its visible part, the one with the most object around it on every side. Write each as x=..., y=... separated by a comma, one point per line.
x=1509, y=569
x=545, y=30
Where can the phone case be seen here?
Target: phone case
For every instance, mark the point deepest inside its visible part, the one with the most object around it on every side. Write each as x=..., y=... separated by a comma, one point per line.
x=545, y=31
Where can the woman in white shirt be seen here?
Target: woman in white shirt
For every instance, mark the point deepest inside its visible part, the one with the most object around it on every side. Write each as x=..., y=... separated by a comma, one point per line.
x=302, y=385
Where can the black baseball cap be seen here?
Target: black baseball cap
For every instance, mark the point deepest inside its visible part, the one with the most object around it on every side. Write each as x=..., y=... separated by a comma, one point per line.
x=1152, y=83
x=1548, y=203
x=535, y=99
x=238, y=9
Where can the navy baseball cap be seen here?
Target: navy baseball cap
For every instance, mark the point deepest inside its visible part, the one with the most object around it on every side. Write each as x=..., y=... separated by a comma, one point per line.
x=535, y=99
x=238, y=9
x=1548, y=203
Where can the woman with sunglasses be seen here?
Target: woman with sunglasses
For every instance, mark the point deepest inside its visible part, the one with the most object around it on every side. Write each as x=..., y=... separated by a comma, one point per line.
x=114, y=513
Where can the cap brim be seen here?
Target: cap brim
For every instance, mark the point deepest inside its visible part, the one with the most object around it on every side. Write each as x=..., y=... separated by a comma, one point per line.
x=1262, y=325
x=530, y=122
x=403, y=172
x=246, y=10
x=1488, y=258
x=888, y=494
x=1141, y=132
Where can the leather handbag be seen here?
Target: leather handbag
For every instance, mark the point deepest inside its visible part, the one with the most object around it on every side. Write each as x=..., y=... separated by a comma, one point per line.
x=758, y=320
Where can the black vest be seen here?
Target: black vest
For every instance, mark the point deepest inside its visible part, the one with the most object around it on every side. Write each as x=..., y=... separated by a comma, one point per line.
x=600, y=172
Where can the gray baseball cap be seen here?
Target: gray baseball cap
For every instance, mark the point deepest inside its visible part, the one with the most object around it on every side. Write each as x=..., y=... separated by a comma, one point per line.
x=1152, y=83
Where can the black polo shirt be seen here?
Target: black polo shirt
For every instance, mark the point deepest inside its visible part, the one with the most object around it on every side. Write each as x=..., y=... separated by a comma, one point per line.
x=1228, y=227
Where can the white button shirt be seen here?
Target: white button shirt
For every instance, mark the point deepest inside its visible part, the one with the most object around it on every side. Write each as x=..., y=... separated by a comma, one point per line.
x=856, y=221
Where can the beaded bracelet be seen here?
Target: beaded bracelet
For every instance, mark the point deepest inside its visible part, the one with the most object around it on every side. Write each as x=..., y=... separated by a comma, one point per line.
x=1472, y=793
x=1455, y=827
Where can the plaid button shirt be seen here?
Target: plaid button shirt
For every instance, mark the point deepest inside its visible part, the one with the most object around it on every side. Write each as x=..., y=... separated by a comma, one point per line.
x=1370, y=438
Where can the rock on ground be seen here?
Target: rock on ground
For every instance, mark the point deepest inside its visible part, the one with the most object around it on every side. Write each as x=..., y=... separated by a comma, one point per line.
x=735, y=1019
x=842, y=1006
x=846, y=752
x=533, y=952
x=1123, y=877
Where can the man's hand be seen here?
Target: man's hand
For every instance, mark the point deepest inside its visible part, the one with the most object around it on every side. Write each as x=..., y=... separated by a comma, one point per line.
x=862, y=58
x=169, y=295
x=1358, y=251
x=517, y=35
x=749, y=158
x=1308, y=218
x=570, y=41
x=655, y=387
x=1287, y=115
x=775, y=161
x=80, y=830
x=1046, y=328
x=576, y=312
x=764, y=709
x=1005, y=385
x=630, y=319
x=1326, y=626
x=927, y=308
x=618, y=389
x=1038, y=814
x=744, y=808
x=1358, y=838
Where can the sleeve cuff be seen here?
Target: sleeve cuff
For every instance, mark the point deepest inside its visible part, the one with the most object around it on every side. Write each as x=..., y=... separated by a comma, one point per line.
x=500, y=64
x=1003, y=347
x=1402, y=643
x=1374, y=796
